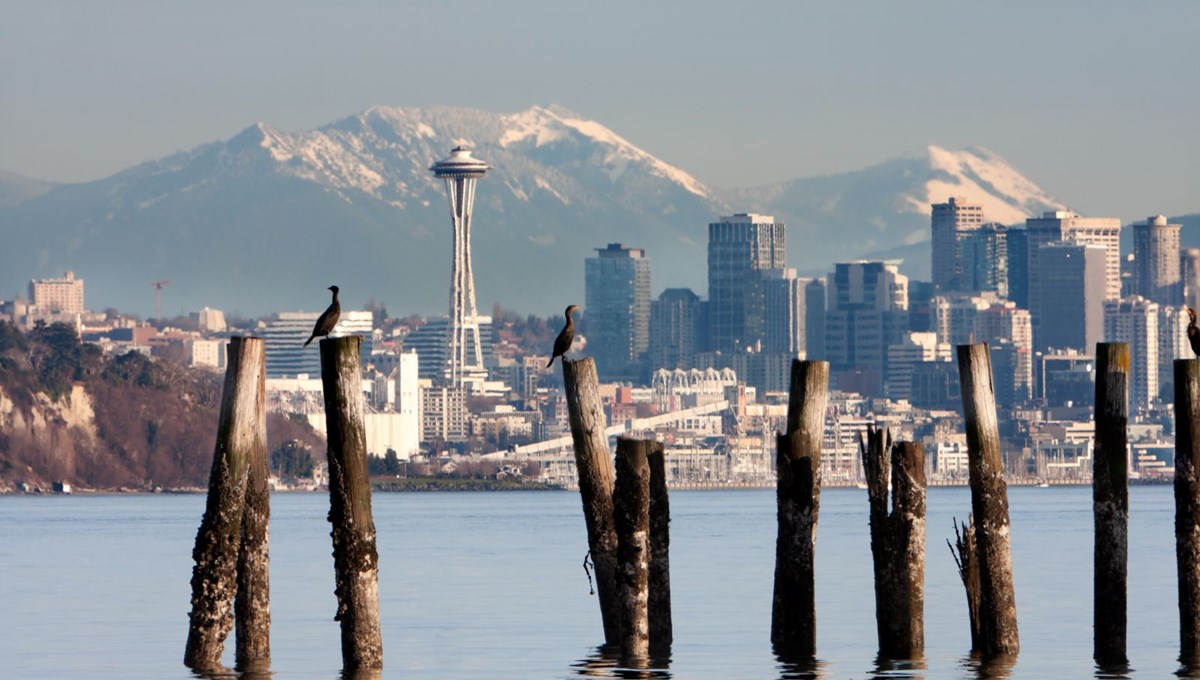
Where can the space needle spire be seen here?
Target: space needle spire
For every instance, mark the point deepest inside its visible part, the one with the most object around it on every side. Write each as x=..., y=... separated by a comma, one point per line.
x=460, y=171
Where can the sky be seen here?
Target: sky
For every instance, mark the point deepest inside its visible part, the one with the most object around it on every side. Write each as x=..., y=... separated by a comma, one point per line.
x=1097, y=102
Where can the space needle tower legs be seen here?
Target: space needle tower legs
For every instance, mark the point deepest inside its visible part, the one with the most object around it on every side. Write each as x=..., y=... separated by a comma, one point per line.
x=460, y=172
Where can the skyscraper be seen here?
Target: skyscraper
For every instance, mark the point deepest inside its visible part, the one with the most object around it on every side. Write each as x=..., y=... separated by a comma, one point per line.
x=617, y=308
x=1189, y=270
x=674, y=328
x=1064, y=225
x=868, y=311
x=1135, y=320
x=740, y=246
x=1156, y=275
x=950, y=223
x=815, y=300
x=1070, y=296
x=465, y=361
x=985, y=260
x=784, y=297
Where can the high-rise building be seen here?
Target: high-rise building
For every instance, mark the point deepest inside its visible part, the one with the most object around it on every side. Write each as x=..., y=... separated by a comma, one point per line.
x=784, y=298
x=953, y=316
x=1018, y=266
x=815, y=297
x=674, y=329
x=1172, y=344
x=617, y=308
x=431, y=342
x=740, y=247
x=58, y=296
x=950, y=223
x=1189, y=270
x=984, y=260
x=913, y=349
x=1064, y=225
x=868, y=311
x=284, y=340
x=1069, y=296
x=1134, y=320
x=1156, y=275
x=1008, y=330
x=464, y=361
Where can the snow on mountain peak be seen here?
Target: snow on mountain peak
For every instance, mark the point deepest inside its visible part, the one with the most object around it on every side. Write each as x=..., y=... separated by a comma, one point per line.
x=981, y=175
x=546, y=125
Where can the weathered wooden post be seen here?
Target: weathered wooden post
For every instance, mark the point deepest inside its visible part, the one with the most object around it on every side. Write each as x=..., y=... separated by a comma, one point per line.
x=798, y=489
x=241, y=438
x=1110, y=503
x=253, y=603
x=594, y=466
x=355, y=559
x=1187, y=506
x=897, y=541
x=989, y=504
x=631, y=517
x=661, y=631
x=963, y=550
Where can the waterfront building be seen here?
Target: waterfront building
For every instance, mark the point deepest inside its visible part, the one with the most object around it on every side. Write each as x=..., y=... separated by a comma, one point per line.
x=617, y=309
x=740, y=247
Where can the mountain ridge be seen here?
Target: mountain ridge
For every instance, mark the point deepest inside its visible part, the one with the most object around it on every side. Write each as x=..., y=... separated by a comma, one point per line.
x=266, y=219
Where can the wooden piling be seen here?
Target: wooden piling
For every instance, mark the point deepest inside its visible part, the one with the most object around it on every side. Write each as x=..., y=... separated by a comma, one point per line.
x=897, y=541
x=1187, y=506
x=963, y=550
x=1110, y=503
x=989, y=504
x=253, y=603
x=241, y=437
x=356, y=561
x=798, y=488
x=631, y=517
x=661, y=630
x=594, y=466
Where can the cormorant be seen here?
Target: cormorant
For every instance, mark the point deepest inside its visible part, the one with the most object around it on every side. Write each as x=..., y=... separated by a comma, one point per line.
x=327, y=320
x=565, y=337
x=1193, y=332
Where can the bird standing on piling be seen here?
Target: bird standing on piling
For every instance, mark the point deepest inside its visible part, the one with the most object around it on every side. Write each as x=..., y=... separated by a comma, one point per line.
x=327, y=320
x=565, y=337
x=1193, y=333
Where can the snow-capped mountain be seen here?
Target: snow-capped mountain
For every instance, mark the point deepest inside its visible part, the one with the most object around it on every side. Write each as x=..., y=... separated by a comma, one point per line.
x=265, y=220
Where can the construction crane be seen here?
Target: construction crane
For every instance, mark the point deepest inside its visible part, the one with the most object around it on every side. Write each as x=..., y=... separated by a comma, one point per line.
x=158, y=286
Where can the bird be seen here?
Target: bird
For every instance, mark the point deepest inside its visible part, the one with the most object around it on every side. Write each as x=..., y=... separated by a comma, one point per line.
x=327, y=320
x=565, y=337
x=1193, y=333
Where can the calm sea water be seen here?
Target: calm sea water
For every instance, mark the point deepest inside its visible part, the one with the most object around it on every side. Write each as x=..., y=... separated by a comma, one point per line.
x=490, y=585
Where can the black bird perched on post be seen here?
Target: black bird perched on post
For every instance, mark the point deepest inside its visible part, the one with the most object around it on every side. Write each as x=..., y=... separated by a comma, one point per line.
x=565, y=337
x=1193, y=332
x=327, y=320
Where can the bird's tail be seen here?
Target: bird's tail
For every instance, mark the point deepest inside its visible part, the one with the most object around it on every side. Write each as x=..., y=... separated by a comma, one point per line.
x=310, y=339
x=551, y=363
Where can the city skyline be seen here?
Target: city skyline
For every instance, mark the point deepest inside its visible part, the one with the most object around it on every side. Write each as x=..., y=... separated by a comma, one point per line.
x=160, y=78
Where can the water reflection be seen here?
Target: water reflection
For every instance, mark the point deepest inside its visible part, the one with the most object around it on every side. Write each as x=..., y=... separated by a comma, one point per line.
x=886, y=667
x=361, y=674
x=1188, y=669
x=793, y=667
x=1113, y=670
x=999, y=668
x=606, y=662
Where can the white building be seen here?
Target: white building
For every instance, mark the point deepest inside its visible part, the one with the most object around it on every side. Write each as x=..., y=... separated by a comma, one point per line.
x=58, y=296
x=209, y=353
x=902, y=357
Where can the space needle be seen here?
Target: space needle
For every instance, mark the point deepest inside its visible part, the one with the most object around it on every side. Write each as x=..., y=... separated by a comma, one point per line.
x=460, y=171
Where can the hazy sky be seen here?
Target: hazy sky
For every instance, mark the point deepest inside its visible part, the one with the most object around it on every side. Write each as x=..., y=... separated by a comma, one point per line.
x=1099, y=103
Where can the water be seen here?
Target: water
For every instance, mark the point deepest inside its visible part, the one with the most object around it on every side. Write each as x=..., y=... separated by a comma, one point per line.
x=490, y=585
